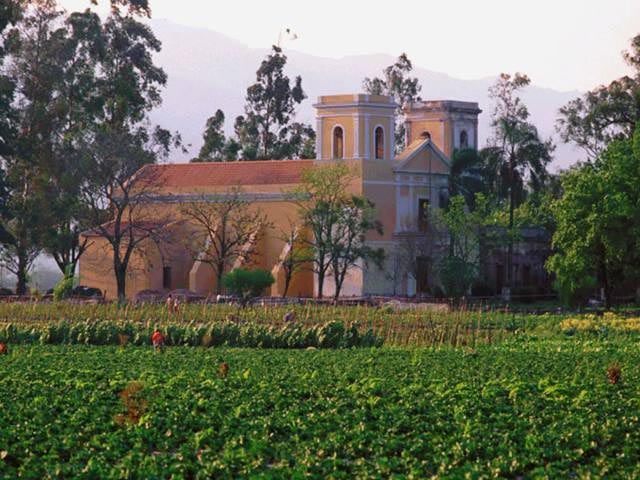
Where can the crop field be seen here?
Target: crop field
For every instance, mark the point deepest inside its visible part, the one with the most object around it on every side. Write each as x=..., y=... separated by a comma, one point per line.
x=338, y=393
x=396, y=328
x=519, y=409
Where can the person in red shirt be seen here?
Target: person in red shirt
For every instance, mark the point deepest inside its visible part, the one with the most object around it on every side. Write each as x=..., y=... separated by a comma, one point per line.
x=157, y=340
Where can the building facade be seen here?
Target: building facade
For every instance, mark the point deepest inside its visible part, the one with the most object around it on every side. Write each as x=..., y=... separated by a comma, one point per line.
x=357, y=129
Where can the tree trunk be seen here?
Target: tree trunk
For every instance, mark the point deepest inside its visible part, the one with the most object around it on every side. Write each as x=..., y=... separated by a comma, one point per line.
x=287, y=281
x=511, y=221
x=121, y=279
x=219, y=272
x=21, y=285
x=339, y=281
x=320, y=283
x=604, y=277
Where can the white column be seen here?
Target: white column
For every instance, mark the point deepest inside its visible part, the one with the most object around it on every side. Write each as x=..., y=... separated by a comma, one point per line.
x=319, y=139
x=356, y=136
x=398, y=207
x=367, y=146
x=392, y=137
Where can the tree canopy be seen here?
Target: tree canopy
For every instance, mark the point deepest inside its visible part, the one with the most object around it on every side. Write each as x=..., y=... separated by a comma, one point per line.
x=606, y=113
x=598, y=232
x=397, y=84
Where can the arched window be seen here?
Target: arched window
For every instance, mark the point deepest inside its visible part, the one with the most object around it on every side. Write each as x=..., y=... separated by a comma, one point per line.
x=464, y=139
x=379, y=139
x=338, y=143
x=425, y=135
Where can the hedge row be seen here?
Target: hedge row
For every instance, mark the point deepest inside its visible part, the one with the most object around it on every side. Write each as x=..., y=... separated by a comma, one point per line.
x=91, y=332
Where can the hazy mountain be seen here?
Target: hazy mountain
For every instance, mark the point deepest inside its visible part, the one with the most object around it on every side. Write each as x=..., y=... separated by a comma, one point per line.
x=208, y=70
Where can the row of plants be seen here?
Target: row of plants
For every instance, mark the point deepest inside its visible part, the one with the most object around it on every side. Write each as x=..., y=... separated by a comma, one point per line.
x=604, y=324
x=544, y=409
x=327, y=335
x=401, y=326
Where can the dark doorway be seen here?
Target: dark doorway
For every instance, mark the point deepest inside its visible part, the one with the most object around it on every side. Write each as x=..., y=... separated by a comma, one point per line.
x=423, y=215
x=499, y=278
x=526, y=275
x=166, y=278
x=422, y=271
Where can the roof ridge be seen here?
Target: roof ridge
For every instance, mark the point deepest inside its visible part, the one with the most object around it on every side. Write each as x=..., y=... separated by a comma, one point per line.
x=228, y=162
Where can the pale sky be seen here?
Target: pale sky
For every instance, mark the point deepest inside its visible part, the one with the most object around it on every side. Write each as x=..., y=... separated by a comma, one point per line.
x=562, y=44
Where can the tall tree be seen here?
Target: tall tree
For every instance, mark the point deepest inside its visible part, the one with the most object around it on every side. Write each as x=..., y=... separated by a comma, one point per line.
x=396, y=83
x=120, y=142
x=319, y=198
x=216, y=146
x=54, y=81
x=598, y=223
x=348, y=249
x=515, y=151
x=35, y=47
x=605, y=113
x=267, y=129
x=459, y=268
x=337, y=222
x=227, y=230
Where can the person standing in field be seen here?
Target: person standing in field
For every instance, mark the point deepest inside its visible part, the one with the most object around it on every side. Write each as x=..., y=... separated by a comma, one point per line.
x=176, y=305
x=157, y=340
x=169, y=303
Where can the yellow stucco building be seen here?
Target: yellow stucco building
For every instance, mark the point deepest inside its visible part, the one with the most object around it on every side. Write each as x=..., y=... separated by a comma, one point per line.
x=358, y=129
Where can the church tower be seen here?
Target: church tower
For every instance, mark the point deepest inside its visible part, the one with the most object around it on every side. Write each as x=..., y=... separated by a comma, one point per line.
x=450, y=124
x=359, y=127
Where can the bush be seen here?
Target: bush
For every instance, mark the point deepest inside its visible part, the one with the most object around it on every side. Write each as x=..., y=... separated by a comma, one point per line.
x=247, y=284
x=456, y=276
x=574, y=297
x=63, y=288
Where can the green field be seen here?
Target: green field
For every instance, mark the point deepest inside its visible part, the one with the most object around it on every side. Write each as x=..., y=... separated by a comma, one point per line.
x=523, y=408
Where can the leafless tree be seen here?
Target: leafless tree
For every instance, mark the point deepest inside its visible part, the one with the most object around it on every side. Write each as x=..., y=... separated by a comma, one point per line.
x=227, y=229
x=297, y=256
x=119, y=193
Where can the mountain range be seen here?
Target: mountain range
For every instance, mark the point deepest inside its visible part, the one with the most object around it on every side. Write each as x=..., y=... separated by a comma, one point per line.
x=208, y=70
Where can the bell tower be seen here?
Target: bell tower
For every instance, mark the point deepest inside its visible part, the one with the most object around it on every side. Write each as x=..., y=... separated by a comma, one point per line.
x=357, y=126
x=450, y=124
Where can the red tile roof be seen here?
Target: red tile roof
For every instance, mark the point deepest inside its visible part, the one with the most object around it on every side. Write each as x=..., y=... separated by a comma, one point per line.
x=264, y=172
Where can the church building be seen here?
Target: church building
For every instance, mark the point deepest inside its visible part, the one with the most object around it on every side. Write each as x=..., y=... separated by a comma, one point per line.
x=357, y=129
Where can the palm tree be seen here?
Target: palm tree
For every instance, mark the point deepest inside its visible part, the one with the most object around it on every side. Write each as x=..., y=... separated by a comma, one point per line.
x=468, y=175
x=515, y=153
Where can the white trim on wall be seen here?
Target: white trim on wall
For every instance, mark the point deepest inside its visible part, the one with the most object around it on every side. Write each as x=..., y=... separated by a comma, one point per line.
x=356, y=137
x=319, y=127
x=357, y=114
x=367, y=138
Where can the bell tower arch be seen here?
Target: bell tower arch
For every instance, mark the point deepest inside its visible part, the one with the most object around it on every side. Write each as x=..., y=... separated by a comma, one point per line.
x=450, y=124
x=358, y=126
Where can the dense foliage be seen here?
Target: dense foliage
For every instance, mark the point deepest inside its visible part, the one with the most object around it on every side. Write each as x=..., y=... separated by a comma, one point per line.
x=552, y=409
x=267, y=130
x=228, y=333
x=247, y=284
x=598, y=221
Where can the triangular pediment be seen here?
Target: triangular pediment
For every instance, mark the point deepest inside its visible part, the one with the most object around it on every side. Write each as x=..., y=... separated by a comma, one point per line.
x=422, y=156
